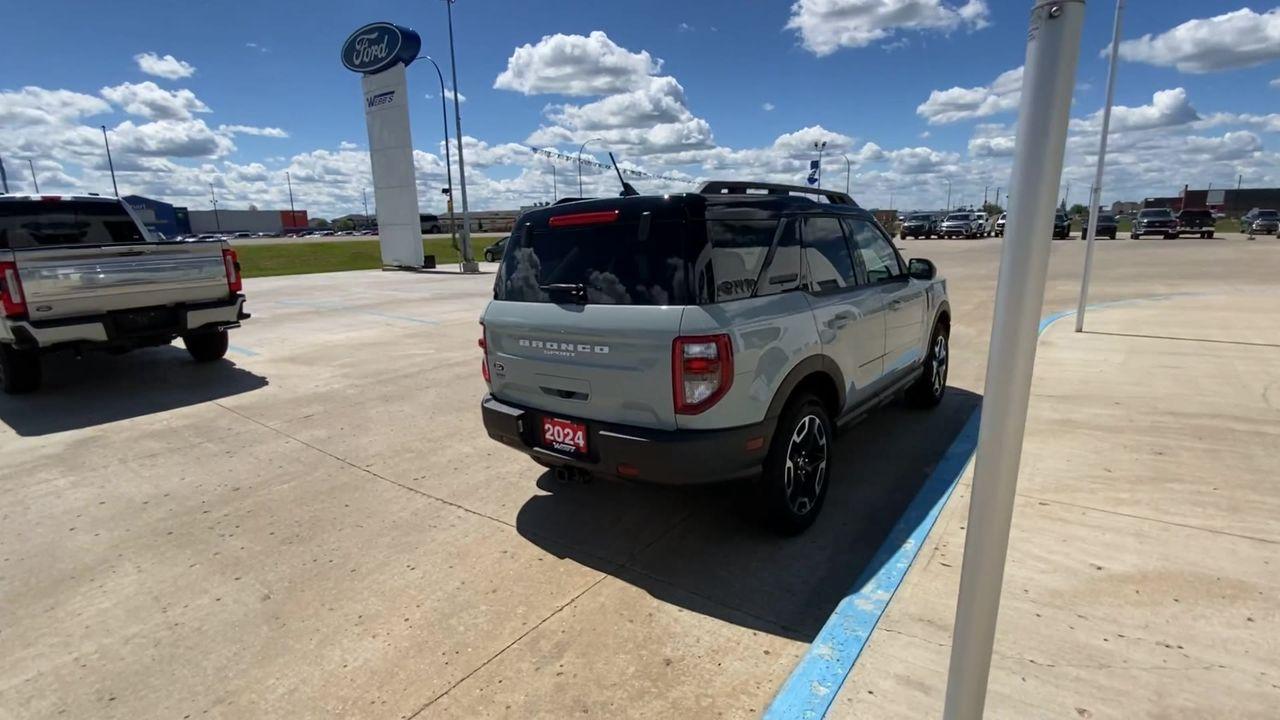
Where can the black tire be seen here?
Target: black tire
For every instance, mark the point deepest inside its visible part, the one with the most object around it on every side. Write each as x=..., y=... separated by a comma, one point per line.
x=929, y=389
x=797, y=471
x=488, y=256
x=19, y=371
x=206, y=346
x=1134, y=236
x=1208, y=236
x=1112, y=236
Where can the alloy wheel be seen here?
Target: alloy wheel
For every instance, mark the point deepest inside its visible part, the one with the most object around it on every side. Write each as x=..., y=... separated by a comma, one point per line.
x=806, y=465
x=939, y=369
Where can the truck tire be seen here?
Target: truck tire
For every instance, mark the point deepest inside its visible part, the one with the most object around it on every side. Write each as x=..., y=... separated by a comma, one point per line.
x=19, y=371
x=928, y=390
x=797, y=471
x=1208, y=235
x=206, y=346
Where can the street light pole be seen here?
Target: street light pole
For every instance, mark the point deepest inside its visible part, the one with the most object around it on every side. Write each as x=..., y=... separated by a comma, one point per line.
x=448, y=161
x=293, y=216
x=110, y=164
x=469, y=265
x=848, y=168
x=555, y=186
x=580, y=149
x=34, y=181
x=1053, y=47
x=948, y=193
x=1095, y=199
x=820, y=147
x=214, y=199
x=364, y=193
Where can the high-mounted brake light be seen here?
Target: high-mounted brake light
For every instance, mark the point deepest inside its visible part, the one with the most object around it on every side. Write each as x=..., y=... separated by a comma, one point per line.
x=701, y=371
x=51, y=198
x=232, y=264
x=588, y=218
x=11, y=297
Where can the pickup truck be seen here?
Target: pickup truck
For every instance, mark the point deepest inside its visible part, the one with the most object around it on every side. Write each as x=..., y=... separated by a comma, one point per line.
x=81, y=272
x=1196, y=222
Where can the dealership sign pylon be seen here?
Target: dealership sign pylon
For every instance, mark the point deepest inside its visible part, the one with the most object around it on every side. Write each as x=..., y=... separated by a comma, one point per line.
x=380, y=52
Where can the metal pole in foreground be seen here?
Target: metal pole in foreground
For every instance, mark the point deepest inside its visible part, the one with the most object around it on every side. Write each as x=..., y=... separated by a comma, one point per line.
x=469, y=265
x=34, y=181
x=4, y=178
x=1053, y=46
x=848, y=169
x=110, y=164
x=1095, y=199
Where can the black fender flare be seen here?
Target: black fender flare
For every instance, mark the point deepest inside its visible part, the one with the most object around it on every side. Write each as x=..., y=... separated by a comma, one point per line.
x=812, y=365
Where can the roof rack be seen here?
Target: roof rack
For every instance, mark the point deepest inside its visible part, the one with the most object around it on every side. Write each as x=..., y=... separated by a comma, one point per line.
x=740, y=187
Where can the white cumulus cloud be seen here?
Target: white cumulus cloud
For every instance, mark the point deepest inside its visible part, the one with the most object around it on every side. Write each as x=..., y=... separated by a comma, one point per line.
x=271, y=132
x=1237, y=39
x=148, y=100
x=960, y=103
x=575, y=65
x=167, y=67
x=825, y=26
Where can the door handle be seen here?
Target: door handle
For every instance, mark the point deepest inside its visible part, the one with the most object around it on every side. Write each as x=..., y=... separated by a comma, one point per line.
x=895, y=304
x=841, y=319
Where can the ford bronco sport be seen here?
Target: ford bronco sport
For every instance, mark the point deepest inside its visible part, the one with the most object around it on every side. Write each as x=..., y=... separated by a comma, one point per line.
x=710, y=336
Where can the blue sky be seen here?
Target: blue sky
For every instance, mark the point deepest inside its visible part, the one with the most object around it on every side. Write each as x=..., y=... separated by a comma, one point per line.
x=859, y=72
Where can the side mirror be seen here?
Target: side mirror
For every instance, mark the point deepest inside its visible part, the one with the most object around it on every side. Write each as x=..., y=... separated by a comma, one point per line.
x=921, y=269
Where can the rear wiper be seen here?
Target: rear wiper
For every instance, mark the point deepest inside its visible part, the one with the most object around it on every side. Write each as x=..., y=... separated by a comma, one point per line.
x=577, y=291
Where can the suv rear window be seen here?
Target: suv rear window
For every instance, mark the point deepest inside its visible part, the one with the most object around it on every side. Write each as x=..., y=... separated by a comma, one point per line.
x=1195, y=214
x=1156, y=213
x=48, y=223
x=611, y=262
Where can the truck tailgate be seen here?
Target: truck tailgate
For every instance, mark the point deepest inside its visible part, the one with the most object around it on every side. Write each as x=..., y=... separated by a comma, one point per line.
x=90, y=280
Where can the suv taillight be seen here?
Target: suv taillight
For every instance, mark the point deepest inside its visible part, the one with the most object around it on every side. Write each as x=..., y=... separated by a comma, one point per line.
x=701, y=371
x=234, y=282
x=15, y=304
x=484, y=347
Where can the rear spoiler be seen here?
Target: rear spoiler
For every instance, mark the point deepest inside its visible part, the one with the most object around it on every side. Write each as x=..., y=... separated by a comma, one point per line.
x=739, y=187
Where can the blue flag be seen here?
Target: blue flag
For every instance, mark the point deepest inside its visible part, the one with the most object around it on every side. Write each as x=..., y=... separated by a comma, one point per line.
x=814, y=168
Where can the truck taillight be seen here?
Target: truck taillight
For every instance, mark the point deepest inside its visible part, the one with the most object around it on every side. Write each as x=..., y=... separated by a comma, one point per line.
x=234, y=282
x=484, y=348
x=701, y=371
x=11, y=297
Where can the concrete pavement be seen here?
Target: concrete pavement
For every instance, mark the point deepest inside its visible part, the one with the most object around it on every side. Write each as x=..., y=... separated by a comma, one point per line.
x=319, y=526
x=1141, y=577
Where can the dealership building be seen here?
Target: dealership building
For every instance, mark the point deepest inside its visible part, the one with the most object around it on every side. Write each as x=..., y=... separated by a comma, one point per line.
x=275, y=222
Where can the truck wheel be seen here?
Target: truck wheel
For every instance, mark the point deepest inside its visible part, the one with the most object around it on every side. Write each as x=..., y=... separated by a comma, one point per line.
x=207, y=346
x=19, y=370
x=1134, y=236
x=798, y=469
x=928, y=389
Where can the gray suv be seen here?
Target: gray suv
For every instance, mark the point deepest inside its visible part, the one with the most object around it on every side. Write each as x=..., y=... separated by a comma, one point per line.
x=710, y=336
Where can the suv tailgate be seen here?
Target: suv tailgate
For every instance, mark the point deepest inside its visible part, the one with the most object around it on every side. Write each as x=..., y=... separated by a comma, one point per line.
x=597, y=362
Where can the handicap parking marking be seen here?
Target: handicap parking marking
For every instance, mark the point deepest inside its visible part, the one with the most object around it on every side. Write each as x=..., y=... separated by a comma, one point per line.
x=816, y=680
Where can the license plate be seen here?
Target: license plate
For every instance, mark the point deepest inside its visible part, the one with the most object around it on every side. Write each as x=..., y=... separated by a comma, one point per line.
x=564, y=435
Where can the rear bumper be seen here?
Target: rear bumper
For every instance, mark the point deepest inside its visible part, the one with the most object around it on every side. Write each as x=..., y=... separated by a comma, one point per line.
x=108, y=329
x=669, y=457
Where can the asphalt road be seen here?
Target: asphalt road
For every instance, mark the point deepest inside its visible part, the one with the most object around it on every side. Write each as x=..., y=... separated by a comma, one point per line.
x=319, y=526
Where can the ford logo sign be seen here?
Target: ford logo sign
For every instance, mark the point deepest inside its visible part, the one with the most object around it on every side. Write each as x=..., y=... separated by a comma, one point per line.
x=378, y=46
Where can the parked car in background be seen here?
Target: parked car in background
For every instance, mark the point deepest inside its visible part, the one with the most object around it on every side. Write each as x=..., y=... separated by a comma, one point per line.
x=1061, y=225
x=1196, y=222
x=493, y=253
x=1154, y=221
x=1000, y=223
x=1106, y=226
x=431, y=224
x=959, y=224
x=983, y=223
x=1260, y=222
x=242, y=235
x=80, y=272
x=732, y=334
x=919, y=225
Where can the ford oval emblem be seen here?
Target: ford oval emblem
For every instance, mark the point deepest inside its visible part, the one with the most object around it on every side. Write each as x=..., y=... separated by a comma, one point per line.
x=378, y=46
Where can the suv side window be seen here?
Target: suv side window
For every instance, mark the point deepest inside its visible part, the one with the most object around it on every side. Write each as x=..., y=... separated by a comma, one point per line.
x=827, y=255
x=782, y=272
x=879, y=260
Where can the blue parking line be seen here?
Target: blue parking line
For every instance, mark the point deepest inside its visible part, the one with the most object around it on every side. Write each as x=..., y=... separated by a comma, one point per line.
x=816, y=680
x=242, y=351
